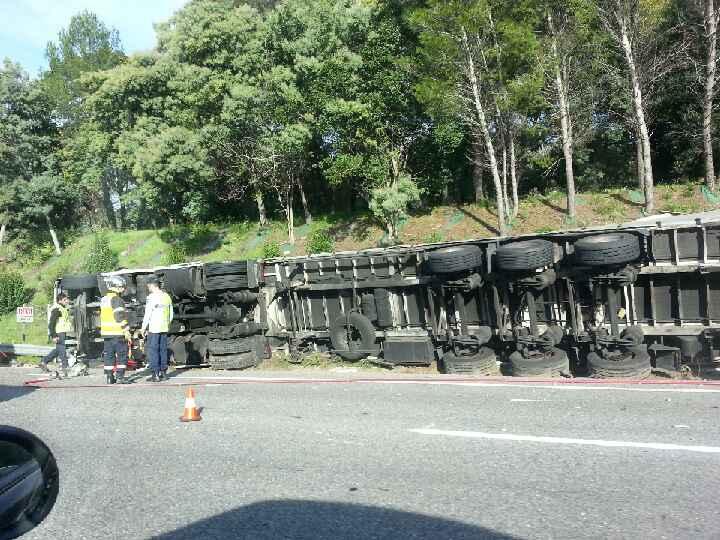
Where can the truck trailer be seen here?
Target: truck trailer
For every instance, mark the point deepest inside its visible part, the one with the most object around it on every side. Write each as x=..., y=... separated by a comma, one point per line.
x=610, y=302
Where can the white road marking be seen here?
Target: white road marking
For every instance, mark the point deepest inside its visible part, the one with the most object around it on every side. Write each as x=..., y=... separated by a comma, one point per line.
x=520, y=400
x=565, y=440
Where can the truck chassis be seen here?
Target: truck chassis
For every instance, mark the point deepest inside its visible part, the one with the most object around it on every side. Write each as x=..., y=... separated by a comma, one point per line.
x=618, y=302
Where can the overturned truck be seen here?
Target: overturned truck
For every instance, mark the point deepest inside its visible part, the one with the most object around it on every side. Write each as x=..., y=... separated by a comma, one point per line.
x=610, y=302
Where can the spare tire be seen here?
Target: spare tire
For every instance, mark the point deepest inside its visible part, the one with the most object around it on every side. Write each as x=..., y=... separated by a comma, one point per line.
x=525, y=255
x=554, y=364
x=484, y=362
x=352, y=336
x=233, y=361
x=79, y=282
x=220, y=269
x=231, y=346
x=454, y=259
x=607, y=249
x=220, y=283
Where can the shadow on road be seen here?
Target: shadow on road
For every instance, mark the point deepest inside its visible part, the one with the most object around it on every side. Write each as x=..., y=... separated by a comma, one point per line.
x=317, y=520
x=11, y=392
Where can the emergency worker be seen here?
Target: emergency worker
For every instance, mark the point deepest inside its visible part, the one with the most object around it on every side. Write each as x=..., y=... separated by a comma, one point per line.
x=58, y=326
x=114, y=330
x=155, y=326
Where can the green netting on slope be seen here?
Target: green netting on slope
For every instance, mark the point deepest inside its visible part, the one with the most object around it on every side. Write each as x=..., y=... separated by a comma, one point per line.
x=709, y=196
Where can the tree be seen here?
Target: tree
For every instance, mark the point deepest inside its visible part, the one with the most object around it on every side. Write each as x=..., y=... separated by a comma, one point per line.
x=86, y=45
x=30, y=200
x=710, y=21
x=638, y=29
x=568, y=29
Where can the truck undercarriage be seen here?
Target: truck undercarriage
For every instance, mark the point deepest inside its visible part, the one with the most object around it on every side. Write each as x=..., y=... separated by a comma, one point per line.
x=612, y=302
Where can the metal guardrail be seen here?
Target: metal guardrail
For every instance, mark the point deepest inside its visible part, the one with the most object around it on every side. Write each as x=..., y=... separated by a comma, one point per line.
x=25, y=349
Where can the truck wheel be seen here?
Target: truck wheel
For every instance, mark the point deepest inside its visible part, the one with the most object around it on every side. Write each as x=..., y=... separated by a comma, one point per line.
x=221, y=283
x=632, y=366
x=555, y=364
x=231, y=346
x=79, y=282
x=454, y=259
x=607, y=249
x=233, y=361
x=352, y=337
x=220, y=269
x=525, y=255
x=484, y=362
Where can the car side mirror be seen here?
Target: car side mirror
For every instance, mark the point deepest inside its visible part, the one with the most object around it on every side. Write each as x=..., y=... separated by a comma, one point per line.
x=29, y=481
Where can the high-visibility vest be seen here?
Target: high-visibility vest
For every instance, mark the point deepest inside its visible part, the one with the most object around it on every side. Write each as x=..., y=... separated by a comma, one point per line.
x=160, y=305
x=63, y=324
x=108, y=325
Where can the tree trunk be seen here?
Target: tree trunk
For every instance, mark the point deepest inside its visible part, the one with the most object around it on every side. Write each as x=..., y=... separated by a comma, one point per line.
x=489, y=148
x=565, y=125
x=2, y=234
x=303, y=198
x=640, y=164
x=504, y=176
x=107, y=202
x=55, y=240
x=262, y=213
x=709, y=95
x=290, y=212
x=639, y=109
x=477, y=169
x=513, y=177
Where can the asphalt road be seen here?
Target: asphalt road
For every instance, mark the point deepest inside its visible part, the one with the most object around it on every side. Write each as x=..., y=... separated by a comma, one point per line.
x=376, y=459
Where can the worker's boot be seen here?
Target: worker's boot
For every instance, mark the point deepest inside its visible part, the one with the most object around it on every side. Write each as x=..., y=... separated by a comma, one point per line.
x=109, y=377
x=43, y=367
x=121, y=379
x=153, y=377
x=163, y=375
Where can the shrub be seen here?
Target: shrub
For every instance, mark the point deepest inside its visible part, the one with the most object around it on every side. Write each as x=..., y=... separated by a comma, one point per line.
x=175, y=254
x=13, y=292
x=433, y=237
x=319, y=241
x=270, y=249
x=101, y=257
x=390, y=203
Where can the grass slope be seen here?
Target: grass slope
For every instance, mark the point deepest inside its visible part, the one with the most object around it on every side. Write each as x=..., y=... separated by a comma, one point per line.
x=230, y=241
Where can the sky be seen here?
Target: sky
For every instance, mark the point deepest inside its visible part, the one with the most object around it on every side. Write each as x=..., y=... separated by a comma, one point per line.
x=27, y=25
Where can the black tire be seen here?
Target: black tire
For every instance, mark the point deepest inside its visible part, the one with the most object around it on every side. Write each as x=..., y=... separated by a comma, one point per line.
x=233, y=361
x=178, y=346
x=222, y=283
x=179, y=281
x=525, y=255
x=482, y=363
x=631, y=366
x=554, y=364
x=362, y=336
x=221, y=269
x=242, y=329
x=454, y=259
x=79, y=282
x=607, y=249
x=231, y=346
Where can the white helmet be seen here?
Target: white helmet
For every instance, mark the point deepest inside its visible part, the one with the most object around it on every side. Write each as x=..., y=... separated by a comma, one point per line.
x=116, y=283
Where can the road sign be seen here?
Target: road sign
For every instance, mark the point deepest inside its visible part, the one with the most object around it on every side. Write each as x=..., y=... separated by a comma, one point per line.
x=24, y=314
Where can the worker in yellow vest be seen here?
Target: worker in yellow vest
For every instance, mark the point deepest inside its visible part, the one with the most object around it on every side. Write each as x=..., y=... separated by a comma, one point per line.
x=114, y=330
x=58, y=327
x=155, y=326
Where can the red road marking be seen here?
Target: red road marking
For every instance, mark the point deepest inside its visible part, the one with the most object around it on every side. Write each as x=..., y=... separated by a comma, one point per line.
x=519, y=381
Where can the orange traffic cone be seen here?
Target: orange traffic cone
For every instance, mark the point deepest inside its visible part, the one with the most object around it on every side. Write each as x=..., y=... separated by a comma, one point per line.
x=191, y=412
